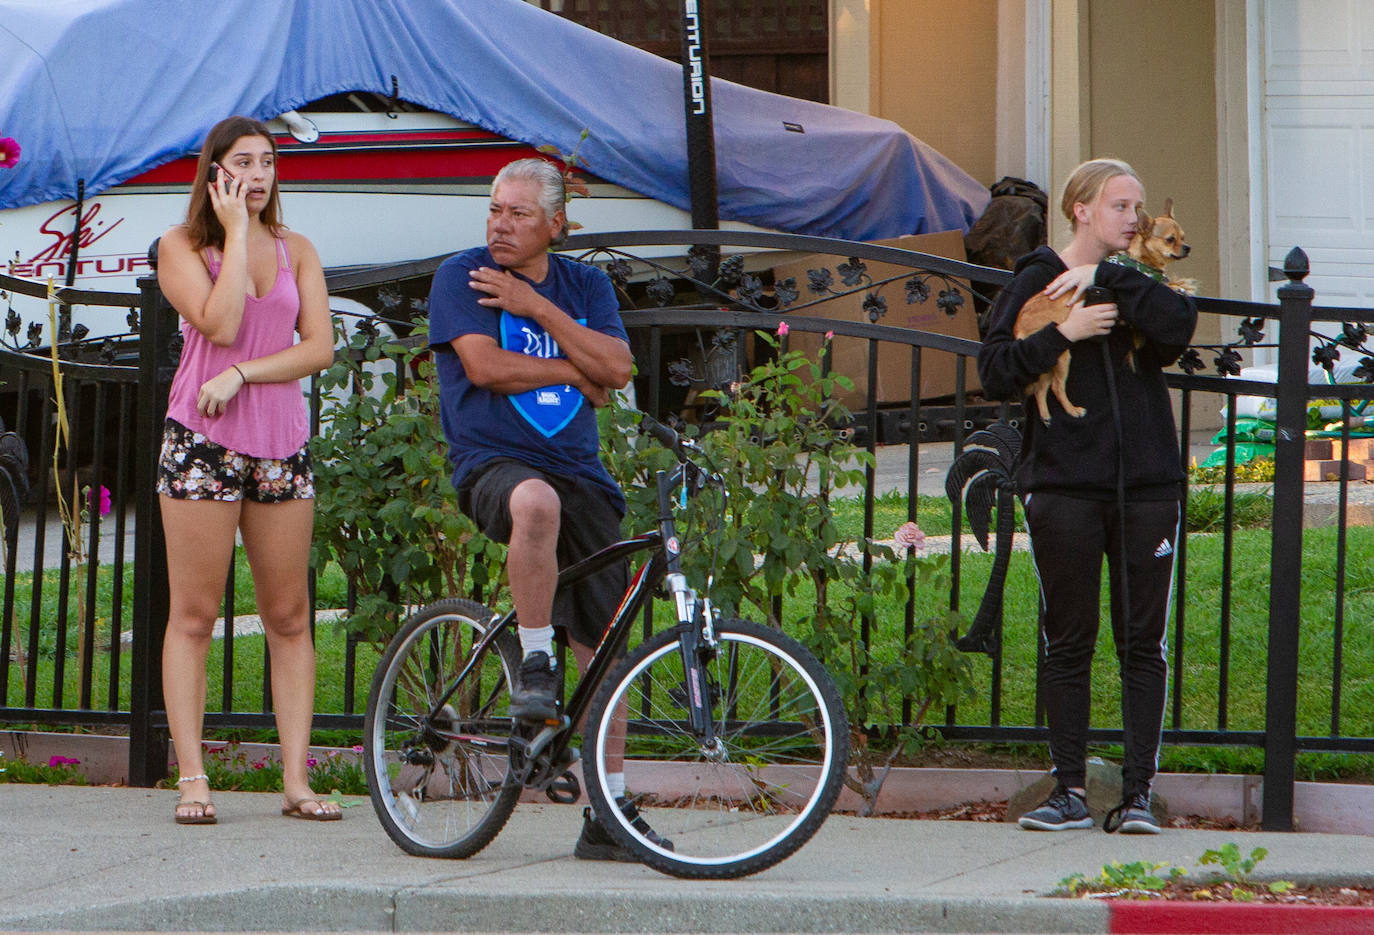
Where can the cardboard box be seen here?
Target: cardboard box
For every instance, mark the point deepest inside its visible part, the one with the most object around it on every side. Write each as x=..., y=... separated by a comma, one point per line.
x=850, y=355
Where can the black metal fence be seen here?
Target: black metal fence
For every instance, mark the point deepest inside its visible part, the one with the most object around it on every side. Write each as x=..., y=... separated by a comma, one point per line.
x=72, y=654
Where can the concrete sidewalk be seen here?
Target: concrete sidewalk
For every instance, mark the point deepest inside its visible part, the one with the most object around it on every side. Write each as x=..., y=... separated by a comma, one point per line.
x=110, y=858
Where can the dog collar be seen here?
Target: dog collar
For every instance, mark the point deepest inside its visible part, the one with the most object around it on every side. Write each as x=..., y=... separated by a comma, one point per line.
x=1130, y=262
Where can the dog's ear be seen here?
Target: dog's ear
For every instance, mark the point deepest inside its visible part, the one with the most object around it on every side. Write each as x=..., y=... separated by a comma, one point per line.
x=1168, y=208
x=1144, y=224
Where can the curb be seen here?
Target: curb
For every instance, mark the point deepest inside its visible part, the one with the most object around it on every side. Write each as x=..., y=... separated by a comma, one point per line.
x=1335, y=808
x=1130, y=917
x=369, y=908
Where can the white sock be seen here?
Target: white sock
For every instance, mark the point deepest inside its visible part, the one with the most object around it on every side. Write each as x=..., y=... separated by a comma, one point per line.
x=615, y=782
x=537, y=640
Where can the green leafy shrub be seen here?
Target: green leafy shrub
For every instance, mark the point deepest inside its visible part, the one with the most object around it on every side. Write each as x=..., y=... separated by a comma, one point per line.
x=385, y=509
x=1255, y=471
x=780, y=442
x=387, y=516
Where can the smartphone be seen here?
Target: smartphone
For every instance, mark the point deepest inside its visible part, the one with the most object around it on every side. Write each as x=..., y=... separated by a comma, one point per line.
x=1098, y=295
x=215, y=170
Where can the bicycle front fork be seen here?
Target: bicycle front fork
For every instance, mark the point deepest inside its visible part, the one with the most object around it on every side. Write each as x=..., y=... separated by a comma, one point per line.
x=697, y=643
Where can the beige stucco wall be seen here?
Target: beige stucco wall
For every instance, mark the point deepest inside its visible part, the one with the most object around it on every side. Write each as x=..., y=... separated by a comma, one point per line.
x=1133, y=80
x=1128, y=79
x=1152, y=101
x=1138, y=81
x=933, y=67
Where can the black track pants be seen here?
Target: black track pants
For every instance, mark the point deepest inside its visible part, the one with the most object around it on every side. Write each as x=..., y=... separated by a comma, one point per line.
x=1069, y=537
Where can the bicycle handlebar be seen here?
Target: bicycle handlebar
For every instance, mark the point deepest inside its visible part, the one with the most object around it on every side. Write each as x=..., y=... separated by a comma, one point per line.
x=665, y=436
x=694, y=475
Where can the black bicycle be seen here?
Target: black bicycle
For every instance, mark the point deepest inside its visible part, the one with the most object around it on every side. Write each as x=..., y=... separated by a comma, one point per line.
x=737, y=739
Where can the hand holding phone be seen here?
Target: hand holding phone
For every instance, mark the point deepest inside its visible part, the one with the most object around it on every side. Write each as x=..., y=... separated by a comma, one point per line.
x=1098, y=295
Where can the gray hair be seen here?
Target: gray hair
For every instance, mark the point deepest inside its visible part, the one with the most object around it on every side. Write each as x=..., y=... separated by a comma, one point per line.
x=548, y=177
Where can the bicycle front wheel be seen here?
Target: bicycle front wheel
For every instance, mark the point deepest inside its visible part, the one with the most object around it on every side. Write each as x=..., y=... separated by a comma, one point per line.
x=437, y=773
x=751, y=795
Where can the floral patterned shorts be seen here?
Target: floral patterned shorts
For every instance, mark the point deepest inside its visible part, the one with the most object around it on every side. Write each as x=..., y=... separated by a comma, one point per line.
x=191, y=467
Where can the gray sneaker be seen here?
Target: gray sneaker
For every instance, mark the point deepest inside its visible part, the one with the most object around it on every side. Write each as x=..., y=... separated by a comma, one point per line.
x=1136, y=817
x=1063, y=810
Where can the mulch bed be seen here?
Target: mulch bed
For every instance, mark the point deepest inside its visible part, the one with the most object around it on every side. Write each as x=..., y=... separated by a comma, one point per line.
x=1225, y=892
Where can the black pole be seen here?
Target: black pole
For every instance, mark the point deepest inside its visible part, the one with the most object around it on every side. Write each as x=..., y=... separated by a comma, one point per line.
x=64, y=314
x=701, y=136
x=147, y=743
x=1285, y=557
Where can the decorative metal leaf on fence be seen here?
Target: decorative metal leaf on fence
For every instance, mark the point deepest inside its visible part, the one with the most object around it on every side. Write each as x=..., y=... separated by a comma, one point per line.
x=979, y=478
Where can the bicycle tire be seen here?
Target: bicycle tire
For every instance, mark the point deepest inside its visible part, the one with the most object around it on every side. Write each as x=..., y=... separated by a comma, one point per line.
x=768, y=785
x=441, y=789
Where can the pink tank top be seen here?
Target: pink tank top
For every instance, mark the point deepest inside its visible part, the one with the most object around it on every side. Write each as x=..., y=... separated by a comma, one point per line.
x=264, y=420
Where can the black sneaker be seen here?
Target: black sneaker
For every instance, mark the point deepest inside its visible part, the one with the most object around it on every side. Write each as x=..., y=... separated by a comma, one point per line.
x=596, y=843
x=534, y=698
x=1064, y=809
x=1136, y=817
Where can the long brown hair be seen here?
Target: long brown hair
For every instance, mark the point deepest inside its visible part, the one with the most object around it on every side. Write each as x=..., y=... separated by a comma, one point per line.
x=202, y=226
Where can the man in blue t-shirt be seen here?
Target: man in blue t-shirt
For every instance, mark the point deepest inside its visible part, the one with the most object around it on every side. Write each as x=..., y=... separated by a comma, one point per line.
x=527, y=344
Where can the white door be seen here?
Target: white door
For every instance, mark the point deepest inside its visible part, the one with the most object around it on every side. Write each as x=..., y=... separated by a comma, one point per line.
x=1318, y=107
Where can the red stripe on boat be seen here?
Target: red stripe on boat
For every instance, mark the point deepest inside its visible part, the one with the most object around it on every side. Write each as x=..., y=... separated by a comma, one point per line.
x=377, y=158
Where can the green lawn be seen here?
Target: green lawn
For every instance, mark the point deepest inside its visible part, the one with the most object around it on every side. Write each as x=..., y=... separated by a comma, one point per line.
x=1202, y=699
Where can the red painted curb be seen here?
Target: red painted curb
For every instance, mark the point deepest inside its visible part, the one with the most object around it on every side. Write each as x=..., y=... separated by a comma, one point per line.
x=1164, y=918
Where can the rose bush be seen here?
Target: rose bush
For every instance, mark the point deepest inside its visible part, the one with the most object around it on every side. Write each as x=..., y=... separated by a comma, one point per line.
x=386, y=513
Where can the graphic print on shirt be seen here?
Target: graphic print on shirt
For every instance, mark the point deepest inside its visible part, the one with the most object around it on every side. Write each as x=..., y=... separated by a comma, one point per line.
x=549, y=408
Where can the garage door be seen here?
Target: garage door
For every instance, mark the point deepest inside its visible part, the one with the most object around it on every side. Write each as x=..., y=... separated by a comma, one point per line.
x=1319, y=142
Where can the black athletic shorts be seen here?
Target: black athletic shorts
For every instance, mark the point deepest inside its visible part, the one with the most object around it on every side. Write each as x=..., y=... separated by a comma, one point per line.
x=588, y=521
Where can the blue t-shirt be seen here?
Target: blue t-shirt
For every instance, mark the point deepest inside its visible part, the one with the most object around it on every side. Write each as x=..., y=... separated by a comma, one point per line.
x=552, y=428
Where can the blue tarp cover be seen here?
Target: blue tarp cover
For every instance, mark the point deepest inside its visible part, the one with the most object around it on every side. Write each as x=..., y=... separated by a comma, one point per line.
x=103, y=90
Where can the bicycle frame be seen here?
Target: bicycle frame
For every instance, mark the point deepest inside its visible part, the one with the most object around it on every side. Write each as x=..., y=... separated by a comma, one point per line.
x=663, y=564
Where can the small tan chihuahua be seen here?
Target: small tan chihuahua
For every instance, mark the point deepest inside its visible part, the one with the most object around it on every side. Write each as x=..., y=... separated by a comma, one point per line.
x=1158, y=241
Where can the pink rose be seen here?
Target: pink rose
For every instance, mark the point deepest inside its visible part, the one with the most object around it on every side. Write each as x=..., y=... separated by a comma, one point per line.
x=909, y=535
x=782, y=329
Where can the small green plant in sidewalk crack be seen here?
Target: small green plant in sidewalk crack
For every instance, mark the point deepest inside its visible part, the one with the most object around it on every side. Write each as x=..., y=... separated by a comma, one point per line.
x=1136, y=880
x=1146, y=880
x=1236, y=870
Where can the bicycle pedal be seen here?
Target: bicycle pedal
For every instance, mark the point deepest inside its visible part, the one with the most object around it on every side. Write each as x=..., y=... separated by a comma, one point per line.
x=565, y=790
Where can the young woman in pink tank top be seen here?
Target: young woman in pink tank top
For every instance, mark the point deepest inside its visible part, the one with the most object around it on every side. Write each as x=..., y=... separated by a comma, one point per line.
x=235, y=455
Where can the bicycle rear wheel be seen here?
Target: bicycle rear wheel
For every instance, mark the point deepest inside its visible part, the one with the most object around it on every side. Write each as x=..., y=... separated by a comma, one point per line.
x=763, y=786
x=438, y=779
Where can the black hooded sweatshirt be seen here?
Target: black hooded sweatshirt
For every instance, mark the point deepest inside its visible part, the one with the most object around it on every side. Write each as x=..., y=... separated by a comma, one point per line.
x=1078, y=457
